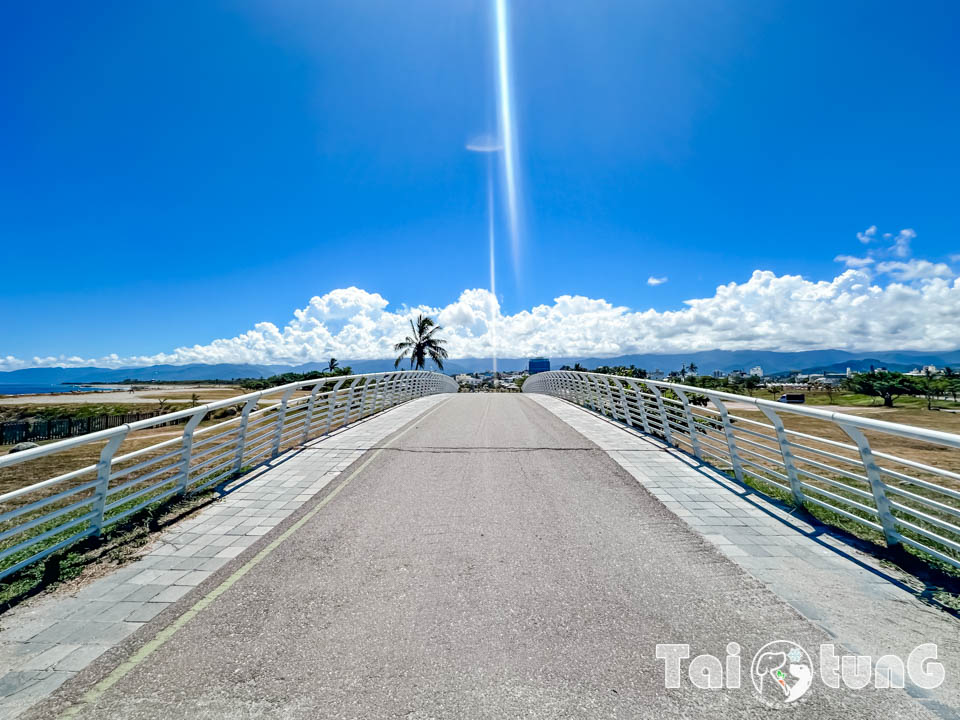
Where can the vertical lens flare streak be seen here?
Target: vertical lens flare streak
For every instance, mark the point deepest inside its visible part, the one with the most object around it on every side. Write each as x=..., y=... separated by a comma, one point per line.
x=493, y=264
x=507, y=130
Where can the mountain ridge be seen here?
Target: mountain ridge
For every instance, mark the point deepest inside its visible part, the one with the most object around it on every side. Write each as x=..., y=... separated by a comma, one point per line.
x=707, y=361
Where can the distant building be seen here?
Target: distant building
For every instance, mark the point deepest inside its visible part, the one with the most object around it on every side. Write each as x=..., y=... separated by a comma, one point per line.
x=756, y=371
x=538, y=365
x=656, y=375
x=719, y=374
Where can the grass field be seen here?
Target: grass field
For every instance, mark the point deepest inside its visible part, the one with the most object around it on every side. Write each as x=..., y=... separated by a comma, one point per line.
x=853, y=400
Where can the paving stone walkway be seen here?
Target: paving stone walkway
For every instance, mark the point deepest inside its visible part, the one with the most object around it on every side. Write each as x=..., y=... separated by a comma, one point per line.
x=48, y=640
x=869, y=608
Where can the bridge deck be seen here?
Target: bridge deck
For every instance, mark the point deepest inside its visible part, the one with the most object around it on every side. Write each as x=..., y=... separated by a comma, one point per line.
x=488, y=560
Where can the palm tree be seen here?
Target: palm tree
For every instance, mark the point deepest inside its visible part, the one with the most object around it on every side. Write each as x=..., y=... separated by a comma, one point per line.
x=332, y=365
x=421, y=344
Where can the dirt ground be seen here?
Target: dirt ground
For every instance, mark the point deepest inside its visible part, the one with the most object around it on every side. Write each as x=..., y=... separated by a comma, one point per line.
x=118, y=395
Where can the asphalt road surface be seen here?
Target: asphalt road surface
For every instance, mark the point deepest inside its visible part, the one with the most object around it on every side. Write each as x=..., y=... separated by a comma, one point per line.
x=489, y=563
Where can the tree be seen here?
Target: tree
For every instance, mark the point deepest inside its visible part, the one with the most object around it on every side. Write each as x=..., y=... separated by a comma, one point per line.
x=692, y=367
x=579, y=368
x=194, y=400
x=774, y=390
x=332, y=365
x=882, y=384
x=751, y=383
x=932, y=387
x=830, y=389
x=421, y=344
x=953, y=386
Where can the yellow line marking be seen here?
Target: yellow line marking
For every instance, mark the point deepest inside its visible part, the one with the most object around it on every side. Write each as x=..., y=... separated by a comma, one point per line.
x=158, y=640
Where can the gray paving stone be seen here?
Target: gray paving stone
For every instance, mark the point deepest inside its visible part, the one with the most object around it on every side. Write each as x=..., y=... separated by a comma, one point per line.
x=147, y=611
x=22, y=688
x=106, y=633
x=193, y=578
x=48, y=659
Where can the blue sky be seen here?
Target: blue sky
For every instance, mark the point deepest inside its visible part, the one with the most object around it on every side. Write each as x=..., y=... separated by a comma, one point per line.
x=174, y=173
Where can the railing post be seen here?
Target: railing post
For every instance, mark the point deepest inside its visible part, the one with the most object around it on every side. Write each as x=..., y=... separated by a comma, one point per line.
x=877, y=487
x=641, y=405
x=626, y=408
x=731, y=438
x=281, y=415
x=691, y=423
x=310, y=408
x=590, y=394
x=392, y=391
x=664, y=418
x=599, y=394
x=363, y=397
x=183, y=480
x=348, y=413
x=242, y=433
x=788, y=461
x=332, y=404
x=103, y=480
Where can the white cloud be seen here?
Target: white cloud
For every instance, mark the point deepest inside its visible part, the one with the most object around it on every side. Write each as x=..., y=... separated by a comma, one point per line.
x=854, y=262
x=654, y=281
x=867, y=235
x=915, y=270
x=954, y=258
x=918, y=309
x=901, y=243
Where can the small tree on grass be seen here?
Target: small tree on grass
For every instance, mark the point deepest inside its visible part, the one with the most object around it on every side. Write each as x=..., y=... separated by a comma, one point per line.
x=751, y=383
x=774, y=390
x=932, y=387
x=886, y=385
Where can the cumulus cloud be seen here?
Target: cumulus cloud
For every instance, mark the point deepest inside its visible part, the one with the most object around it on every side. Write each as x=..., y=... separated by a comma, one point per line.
x=917, y=309
x=885, y=300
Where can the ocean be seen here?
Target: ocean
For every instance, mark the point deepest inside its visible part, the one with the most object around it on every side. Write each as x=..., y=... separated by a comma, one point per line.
x=25, y=389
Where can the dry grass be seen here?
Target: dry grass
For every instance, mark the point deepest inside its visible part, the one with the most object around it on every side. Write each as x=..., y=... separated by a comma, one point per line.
x=936, y=455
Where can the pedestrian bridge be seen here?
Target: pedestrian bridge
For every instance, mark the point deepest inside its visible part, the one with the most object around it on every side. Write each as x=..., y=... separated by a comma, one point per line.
x=381, y=546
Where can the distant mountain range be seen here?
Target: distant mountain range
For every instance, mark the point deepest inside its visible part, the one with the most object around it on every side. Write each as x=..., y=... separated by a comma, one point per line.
x=707, y=361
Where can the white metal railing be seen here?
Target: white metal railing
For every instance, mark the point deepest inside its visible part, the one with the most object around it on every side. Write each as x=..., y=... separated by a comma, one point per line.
x=43, y=517
x=843, y=463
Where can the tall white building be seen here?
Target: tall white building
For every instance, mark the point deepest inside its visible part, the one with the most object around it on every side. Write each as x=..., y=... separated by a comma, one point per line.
x=756, y=371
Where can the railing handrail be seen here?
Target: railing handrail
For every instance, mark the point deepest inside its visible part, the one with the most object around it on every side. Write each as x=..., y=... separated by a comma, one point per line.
x=892, y=428
x=915, y=506
x=81, y=502
x=25, y=455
